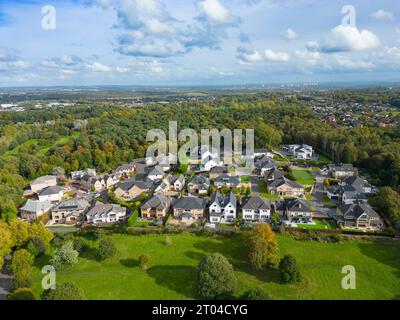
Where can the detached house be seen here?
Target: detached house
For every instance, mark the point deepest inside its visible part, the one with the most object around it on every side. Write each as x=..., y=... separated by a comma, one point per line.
x=285, y=187
x=156, y=207
x=223, y=208
x=125, y=170
x=341, y=171
x=198, y=185
x=105, y=213
x=128, y=190
x=76, y=175
x=70, y=211
x=33, y=209
x=256, y=209
x=52, y=194
x=43, y=182
x=273, y=175
x=358, y=216
x=303, y=151
x=295, y=209
x=229, y=181
x=171, y=184
x=156, y=173
x=189, y=208
x=263, y=165
x=357, y=183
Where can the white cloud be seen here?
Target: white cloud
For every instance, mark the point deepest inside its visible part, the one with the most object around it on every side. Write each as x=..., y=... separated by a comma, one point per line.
x=246, y=56
x=98, y=67
x=354, y=65
x=276, y=56
x=290, y=34
x=122, y=69
x=347, y=38
x=393, y=51
x=308, y=57
x=382, y=15
x=215, y=11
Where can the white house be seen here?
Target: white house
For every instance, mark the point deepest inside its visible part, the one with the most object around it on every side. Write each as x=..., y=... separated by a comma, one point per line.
x=43, y=182
x=256, y=209
x=299, y=151
x=156, y=173
x=52, y=194
x=223, y=208
x=105, y=213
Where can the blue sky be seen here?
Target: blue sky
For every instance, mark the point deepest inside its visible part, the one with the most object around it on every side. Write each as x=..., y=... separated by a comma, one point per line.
x=198, y=42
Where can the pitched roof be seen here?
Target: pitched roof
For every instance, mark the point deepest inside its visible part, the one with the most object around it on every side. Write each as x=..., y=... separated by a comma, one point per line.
x=275, y=174
x=222, y=200
x=200, y=180
x=255, y=202
x=125, y=185
x=102, y=209
x=356, y=182
x=72, y=205
x=190, y=203
x=298, y=205
x=157, y=201
x=281, y=181
x=356, y=210
x=50, y=191
x=36, y=206
x=225, y=179
x=44, y=179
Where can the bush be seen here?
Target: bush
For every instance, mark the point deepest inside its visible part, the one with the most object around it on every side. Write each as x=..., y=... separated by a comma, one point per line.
x=216, y=277
x=106, y=249
x=143, y=261
x=36, y=247
x=66, y=291
x=289, y=270
x=21, y=266
x=65, y=256
x=21, y=294
x=256, y=294
x=80, y=244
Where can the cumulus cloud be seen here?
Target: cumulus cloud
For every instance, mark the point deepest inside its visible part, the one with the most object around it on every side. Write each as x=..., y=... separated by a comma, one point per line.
x=276, y=56
x=310, y=57
x=290, y=34
x=10, y=61
x=98, y=67
x=253, y=56
x=347, y=38
x=382, y=15
x=213, y=12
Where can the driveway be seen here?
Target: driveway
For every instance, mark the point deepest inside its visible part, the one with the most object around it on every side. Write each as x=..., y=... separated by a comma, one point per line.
x=255, y=188
x=6, y=283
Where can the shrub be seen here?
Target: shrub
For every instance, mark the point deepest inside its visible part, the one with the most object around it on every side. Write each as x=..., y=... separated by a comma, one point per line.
x=289, y=270
x=256, y=294
x=143, y=261
x=216, y=277
x=36, y=247
x=80, y=244
x=21, y=294
x=65, y=256
x=106, y=249
x=66, y=291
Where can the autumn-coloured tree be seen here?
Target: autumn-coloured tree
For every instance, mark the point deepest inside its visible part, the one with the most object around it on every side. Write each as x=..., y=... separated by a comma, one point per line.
x=262, y=246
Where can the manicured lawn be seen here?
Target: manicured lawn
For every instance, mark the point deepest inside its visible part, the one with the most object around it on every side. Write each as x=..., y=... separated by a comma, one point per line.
x=303, y=177
x=264, y=193
x=319, y=224
x=172, y=272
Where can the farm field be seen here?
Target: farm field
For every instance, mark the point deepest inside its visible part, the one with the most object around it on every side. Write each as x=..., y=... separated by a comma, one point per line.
x=172, y=272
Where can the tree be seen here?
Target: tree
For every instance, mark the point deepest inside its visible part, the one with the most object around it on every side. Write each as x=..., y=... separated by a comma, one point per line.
x=80, y=244
x=256, y=294
x=8, y=210
x=388, y=200
x=66, y=291
x=36, y=247
x=289, y=270
x=262, y=246
x=106, y=249
x=21, y=266
x=143, y=261
x=6, y=241
x=65, y=256
x=275, y=218
x=216, y=277
x=21, y=294
x=38, y=230
x=20, y=232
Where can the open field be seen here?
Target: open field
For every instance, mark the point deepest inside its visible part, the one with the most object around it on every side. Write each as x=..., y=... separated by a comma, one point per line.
x=172, y=271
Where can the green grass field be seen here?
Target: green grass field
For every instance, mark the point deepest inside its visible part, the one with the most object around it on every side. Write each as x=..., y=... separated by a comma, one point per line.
x=172, y=271
x=303, y=177
x=319, y=224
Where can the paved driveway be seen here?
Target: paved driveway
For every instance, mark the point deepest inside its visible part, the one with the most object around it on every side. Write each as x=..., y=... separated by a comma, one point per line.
x=254, y=186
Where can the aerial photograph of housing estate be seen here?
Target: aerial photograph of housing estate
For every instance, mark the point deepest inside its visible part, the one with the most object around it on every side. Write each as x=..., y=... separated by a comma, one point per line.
x=199, y=150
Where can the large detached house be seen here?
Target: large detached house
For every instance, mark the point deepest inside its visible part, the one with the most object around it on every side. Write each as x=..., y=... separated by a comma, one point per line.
x=358, y=216
x=43, y=182
x=156, y=207
x=256, y=209
x=340, y=171
x=128, y=190
x=299, y=151
x=285, y=187
x=106, y=213
x=198, y=185
x=76, y=175
x=357, y=183
x=273, y=175
x=228, y=181
x=33, y=209
x=125, y=170
x=156, y=173
x=295, y=208
x=171, y=184
x=70, y=211
x=189, y=208
x=223, y=208
x=52, y=194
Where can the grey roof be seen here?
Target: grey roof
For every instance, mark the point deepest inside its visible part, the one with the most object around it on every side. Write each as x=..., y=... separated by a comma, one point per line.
x=43, y=179
x=298, y=205
x=222, y=200
x=73, y=204
x=143, y=185
x=126, y=185
x=157, y=201
x=275, y=174
x=219, y=169
x=125, y=167
x=157, y=170
x=102, y=209
x=255, y=202
x=200, y=181
x=36, y=206
x=225, y=179
x=190, y=203
x=342, y=167
x=356, y=182
x=264, y=163
x=50, y=190
x=356, y=210
x=281, y=181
